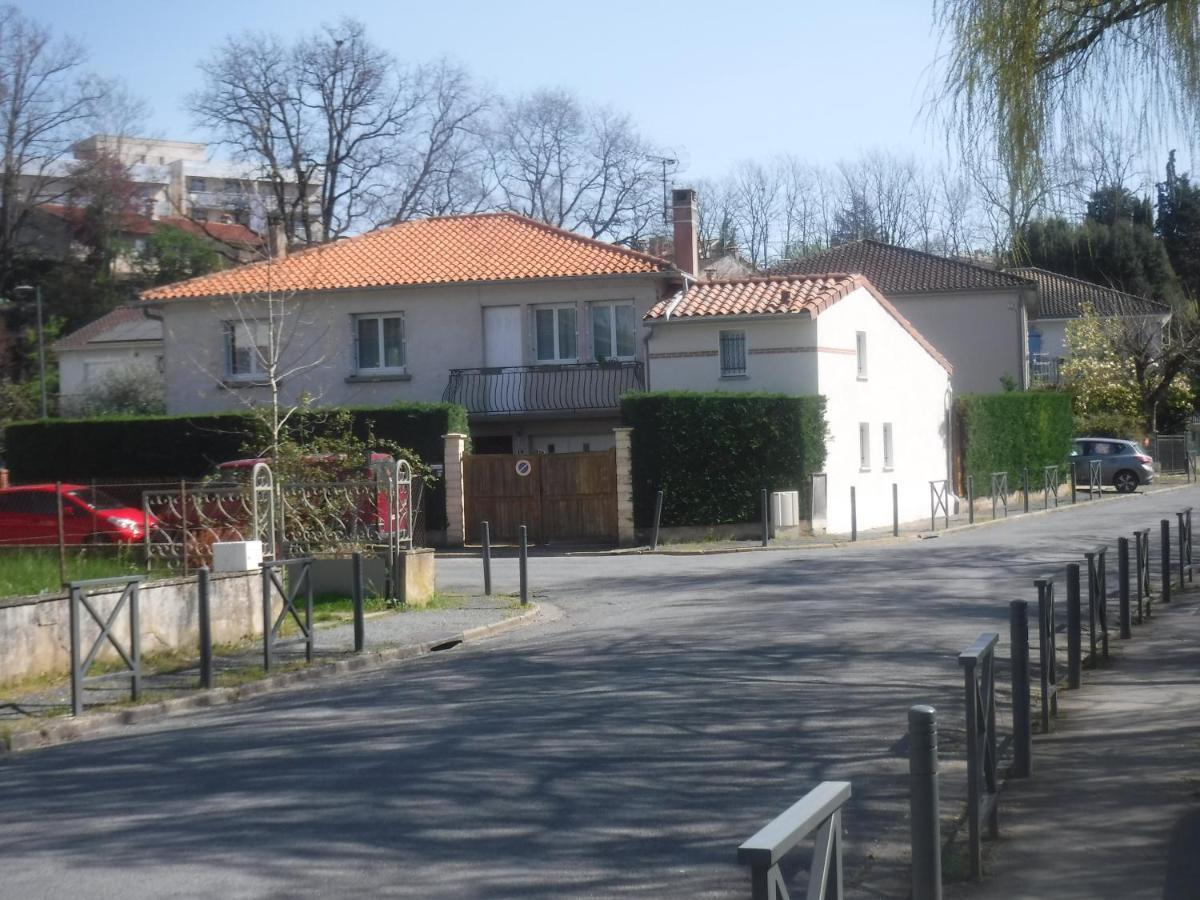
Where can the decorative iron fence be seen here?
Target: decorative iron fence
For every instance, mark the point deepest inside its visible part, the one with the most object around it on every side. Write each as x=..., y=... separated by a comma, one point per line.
x=560, y=388
x=1044, y=369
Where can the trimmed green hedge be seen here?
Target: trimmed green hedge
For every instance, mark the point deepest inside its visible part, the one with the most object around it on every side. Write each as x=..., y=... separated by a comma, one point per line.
x=713, y=453
x=170, y=447
x=1011, y=431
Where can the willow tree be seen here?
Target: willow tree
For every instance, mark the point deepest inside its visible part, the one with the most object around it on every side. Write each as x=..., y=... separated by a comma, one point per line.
x=1031, y=71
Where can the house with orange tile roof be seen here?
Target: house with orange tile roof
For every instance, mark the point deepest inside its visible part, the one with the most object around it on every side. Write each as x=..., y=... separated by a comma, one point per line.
x=123, y=340
x=887, y=389
x=535, y=330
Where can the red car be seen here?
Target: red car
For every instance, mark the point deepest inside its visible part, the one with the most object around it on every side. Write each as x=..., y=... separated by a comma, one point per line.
x=29, y=515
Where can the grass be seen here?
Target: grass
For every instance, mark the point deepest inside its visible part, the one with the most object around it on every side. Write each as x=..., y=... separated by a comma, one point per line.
x=28, y=572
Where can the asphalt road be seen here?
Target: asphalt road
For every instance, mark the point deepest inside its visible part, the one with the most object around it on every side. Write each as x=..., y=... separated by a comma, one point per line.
x=624, y=746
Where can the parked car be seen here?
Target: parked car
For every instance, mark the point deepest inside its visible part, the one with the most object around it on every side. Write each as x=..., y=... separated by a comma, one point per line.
x=29, y=515
x=1123, y=464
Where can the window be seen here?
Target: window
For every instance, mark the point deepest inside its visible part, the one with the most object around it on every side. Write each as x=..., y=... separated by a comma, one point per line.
x=247, y=348
x=197, y=184
x=555, y=334
x=889, y=460
x=864, y=446
x=233, y=186
x=861, y=351
x=612, y=331
x=379, y=342
x=733, y=353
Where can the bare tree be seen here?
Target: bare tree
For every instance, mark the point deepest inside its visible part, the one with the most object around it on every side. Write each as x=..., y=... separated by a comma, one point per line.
x=587, y=170
x=46, y=103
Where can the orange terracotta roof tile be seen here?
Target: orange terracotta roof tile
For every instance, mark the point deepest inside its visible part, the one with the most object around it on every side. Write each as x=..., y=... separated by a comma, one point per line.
x=453, y=249
x=776, y=295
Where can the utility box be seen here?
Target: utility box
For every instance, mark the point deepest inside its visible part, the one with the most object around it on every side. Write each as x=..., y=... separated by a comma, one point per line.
x=785, y=509
x=237, y=556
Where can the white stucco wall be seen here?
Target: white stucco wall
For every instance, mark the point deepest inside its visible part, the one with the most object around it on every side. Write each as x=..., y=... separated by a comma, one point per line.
x=905, y=386
x=78, y=369
x=982, y=334
x=443, y=330
x=1054, y=332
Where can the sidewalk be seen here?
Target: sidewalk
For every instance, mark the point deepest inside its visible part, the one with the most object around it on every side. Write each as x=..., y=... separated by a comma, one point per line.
x=1113, y=807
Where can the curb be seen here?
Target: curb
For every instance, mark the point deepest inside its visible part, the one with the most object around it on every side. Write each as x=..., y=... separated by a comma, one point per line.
x=101, y=724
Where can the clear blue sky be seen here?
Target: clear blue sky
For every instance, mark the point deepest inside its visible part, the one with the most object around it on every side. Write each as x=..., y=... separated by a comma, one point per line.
x=716, y=82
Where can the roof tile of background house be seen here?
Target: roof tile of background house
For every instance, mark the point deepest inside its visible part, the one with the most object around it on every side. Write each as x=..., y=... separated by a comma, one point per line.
x=122, y=324
x=768, y=295
x=134, y=223
x=898, y=270
x=486, y=247
x=1062, y=297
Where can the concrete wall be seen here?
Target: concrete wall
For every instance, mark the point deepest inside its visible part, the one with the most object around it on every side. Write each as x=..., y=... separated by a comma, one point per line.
x=443, y=330
x=336, y=576
x=982, y=334
x=35, y=631
x=904, y=386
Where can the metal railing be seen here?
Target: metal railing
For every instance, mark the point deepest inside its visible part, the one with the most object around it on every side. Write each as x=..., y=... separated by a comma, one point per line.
x=1047, y=654
x=82, y=593
x=1095, y=479
x=1050, y=486
x=1097, y=601
x=552, y=388
x=820, y=811
x=1044, y=369
x=1170, y=451
x=1141, y=543
x=1000, y=492
x=979, y=672
x=1185, y=546
x=939, y=501
x=297, y=573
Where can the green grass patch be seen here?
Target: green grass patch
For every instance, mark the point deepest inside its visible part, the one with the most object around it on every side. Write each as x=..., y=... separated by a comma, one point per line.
x=28, y=572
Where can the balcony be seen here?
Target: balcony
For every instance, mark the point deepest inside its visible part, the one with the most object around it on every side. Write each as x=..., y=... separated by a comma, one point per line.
x=525, y=390
x=1043, y=369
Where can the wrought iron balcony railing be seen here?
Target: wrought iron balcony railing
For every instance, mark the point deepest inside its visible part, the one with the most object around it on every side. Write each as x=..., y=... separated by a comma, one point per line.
x=1043, y=369
x=516, y=390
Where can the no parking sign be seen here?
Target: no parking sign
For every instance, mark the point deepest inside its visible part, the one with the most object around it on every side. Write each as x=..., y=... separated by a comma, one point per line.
x=523, y=467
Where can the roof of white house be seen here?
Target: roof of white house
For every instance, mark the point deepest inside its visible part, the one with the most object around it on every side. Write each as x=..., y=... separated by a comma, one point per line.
x=1063, y=297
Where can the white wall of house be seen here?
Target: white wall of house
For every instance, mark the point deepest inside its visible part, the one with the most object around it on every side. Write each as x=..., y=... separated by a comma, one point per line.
x=1054, y=332
x=904, y=387
x=443, y=328
x=983, y=334
x=80, y=369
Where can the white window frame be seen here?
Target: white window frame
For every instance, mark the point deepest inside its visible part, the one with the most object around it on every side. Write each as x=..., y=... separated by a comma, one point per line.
x=379, y=319
x=257, y=370
x=889, y=458
x=864, y=447
x=612, y=306
x=557, y=358
x=729, y=372
x=860, y=354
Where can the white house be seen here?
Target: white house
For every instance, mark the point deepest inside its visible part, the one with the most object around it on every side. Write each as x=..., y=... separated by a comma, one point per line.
x=887, y=389
x=976, y=316
x=122, y=340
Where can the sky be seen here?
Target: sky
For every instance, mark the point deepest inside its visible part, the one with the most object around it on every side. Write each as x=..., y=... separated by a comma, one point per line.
x=713, y=83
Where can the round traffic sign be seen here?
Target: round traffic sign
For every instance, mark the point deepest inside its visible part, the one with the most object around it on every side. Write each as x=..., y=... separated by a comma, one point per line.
x=523, y=467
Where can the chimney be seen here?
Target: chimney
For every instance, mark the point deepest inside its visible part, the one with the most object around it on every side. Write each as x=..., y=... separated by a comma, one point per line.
x=277, y=243
x=687, y=250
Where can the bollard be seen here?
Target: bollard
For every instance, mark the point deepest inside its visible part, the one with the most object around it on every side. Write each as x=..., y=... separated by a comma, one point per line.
x=1018, y=621
x=1074, y=486
x=658, y=498
x=971, y=499
x=486, y=551
x=400, y=567
x=1123, y=587
x=766, y=518
x=853, y=515
x=923, y=803
x=267, y=623
x=895, y=510
x=206, y=660
x=1025, y=486
x=1074, y=628
x=357, y=589
x=1182, y=550
x=524, y=564
x=1165, y=538
x=1141, y=540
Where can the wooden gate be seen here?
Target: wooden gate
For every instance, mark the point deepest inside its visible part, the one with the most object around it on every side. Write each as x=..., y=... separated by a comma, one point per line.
x=558, y=496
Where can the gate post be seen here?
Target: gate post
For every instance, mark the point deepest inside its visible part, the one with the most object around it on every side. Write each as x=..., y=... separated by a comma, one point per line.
x=625, y=529
x=454, y=447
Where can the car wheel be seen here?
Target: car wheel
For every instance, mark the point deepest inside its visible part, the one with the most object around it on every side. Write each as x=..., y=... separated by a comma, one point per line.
x=1125, y=481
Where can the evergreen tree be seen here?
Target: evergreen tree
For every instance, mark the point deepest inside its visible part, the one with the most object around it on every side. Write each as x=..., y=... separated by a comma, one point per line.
x=1179, y=227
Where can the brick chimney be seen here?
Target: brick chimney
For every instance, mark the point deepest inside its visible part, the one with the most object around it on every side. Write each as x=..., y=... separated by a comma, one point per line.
x=687, y=249
x=277, y=243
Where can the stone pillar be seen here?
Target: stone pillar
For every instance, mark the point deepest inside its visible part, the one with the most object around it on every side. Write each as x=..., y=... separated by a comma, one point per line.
x=456, y=512
x=625, y=534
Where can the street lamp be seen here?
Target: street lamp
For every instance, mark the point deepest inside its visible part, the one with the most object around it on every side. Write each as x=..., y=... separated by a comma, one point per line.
x=37, y=293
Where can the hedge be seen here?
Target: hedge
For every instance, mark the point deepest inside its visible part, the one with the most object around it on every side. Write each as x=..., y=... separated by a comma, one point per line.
x=188, y=447
x=713, y=453
x=1012, y=431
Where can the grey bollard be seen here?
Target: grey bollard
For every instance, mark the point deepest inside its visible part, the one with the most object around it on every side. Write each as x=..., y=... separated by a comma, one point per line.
x=358, y=589
x=1123, y=587
x=1018, y=620
x=766, y=518
x=895, y=510
x=205, y=609
x=1074, y=485
x=658, y=498
x=524, y=566
x=485, y=536
x=923, y=803
x=853, y=515
x=971, y=499
x=1074, y=628
x=1025, y=487
x=267, y=620
x=1165, y=538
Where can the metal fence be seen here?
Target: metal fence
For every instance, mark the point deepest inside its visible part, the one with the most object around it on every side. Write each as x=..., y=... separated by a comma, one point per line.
x=979, y=671
x=1170, y=451
x=82, y=595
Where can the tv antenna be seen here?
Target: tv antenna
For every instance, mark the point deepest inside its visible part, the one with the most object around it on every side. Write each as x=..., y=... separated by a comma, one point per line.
x=665, y=161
